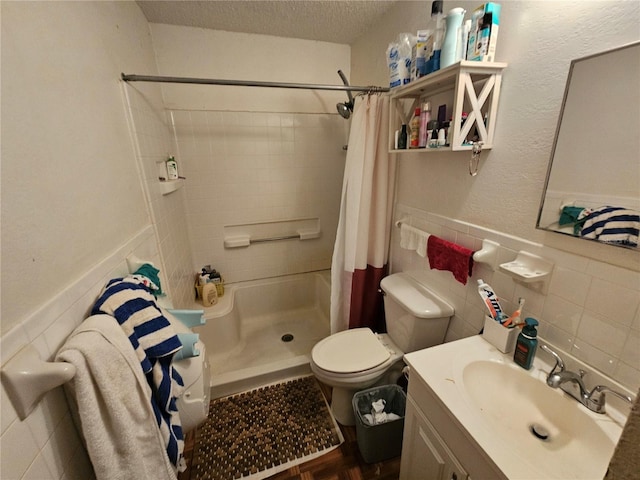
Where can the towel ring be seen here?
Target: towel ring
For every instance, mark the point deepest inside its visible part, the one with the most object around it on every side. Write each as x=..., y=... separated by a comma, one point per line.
x=474, y=161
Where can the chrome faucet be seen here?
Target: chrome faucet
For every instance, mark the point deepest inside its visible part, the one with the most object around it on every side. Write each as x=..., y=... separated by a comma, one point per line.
x=594, y=400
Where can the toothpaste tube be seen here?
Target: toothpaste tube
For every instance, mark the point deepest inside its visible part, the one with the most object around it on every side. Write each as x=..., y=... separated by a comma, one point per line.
x=490, y=299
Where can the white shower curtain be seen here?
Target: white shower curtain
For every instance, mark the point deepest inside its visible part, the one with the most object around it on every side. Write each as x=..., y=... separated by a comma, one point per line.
x=360, y=253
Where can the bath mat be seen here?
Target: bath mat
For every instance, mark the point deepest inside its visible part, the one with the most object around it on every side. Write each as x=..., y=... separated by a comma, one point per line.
x=259, y=433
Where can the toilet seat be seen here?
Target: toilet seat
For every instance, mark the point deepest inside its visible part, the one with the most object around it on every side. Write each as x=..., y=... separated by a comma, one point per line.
x=350, y=351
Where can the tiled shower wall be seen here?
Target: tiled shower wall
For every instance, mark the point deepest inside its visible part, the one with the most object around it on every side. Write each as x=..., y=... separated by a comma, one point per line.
x=247, y=167
x=153, y=140
x=591, y=309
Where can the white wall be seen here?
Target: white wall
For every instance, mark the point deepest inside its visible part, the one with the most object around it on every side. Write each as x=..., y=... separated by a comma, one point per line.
x=255, y=154
x=538, y=40
x=591, y=309
x=70, y=187
x=73, y=201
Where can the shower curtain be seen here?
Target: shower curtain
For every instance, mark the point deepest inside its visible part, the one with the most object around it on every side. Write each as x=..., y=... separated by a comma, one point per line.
x=360, y=253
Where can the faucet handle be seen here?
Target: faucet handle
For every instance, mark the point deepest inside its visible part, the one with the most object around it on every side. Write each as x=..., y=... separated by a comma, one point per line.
x=559, y=363
x=601, y=390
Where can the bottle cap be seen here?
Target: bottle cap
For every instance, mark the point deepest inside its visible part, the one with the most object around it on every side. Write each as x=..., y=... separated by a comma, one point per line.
x=436, y=7
x=530, y=327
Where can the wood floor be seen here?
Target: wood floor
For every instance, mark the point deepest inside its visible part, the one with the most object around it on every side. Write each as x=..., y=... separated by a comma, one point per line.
x=343, y=463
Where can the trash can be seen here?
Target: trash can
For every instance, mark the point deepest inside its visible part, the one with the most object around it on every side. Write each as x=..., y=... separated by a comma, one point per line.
x=379, y=441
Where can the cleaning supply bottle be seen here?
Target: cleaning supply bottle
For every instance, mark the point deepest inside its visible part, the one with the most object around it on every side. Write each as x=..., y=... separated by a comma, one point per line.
x=526, y=344
x=415, y=129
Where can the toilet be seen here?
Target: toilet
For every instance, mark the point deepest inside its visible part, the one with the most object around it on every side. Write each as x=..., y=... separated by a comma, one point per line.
x=352, y=360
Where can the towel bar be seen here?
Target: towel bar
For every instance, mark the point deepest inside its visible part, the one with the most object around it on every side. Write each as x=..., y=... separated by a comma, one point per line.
x=488, y=254
x=27, y=378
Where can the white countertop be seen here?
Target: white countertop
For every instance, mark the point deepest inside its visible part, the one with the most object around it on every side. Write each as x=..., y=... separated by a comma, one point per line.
x=441, y=367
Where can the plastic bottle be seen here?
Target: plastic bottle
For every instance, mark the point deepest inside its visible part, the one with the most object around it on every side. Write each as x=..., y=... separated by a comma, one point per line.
x=172, y=169
x=209, y=294
x=437, y=19
x=423, y=131
x=415, y=129
x=526, y=344
x=402, y=141
x=450, y=44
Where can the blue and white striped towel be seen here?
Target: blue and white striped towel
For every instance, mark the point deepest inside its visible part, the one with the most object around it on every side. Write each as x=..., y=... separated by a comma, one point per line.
x=155, y=342
x=616, y=225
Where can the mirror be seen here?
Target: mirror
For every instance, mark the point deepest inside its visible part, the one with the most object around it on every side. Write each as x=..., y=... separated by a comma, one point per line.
x=595, y=159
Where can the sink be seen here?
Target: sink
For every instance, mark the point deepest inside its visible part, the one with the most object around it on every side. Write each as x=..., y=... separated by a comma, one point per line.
x=536, y=420
x=527, y=429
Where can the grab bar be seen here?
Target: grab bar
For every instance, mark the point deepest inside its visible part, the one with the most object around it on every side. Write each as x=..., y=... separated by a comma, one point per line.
x=237, y=241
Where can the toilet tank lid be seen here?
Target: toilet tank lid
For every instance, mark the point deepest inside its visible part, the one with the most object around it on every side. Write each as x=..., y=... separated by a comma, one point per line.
x=415, y=297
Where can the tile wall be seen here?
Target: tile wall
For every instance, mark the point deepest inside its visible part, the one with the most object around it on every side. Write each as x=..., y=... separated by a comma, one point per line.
x=152, y=137
x=247, y=167
x=591, y=310
x=46, y=444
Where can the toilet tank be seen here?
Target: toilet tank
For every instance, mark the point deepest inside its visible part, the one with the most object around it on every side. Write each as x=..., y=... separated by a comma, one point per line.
x=416, y=317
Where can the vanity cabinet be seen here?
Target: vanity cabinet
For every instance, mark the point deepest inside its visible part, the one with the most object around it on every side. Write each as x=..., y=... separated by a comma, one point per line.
x=435, y=446
x=425, y=455
x=471, y=87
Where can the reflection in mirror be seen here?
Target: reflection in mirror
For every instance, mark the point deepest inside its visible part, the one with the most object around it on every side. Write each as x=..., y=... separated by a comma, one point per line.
x=593, y=182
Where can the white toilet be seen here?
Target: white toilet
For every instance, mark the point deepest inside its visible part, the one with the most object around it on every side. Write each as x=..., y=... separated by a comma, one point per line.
x=356, y=359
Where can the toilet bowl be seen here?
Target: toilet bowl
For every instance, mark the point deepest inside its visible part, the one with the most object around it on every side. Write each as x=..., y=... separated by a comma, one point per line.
x=352, y=360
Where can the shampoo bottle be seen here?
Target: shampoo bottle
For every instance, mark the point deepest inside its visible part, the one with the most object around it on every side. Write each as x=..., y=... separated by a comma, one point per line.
x=415, y=129
x=526, y=344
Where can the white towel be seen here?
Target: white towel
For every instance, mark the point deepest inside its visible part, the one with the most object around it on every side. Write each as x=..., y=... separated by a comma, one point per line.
x=412, y=238
x=110, y=395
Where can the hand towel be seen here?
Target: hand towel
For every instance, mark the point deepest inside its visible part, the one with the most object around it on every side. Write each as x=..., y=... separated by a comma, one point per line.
x=444, y=255
x=109, y=398
x=412, y=238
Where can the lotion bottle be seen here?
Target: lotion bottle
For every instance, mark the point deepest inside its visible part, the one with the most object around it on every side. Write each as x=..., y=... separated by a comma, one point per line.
x=526, y=344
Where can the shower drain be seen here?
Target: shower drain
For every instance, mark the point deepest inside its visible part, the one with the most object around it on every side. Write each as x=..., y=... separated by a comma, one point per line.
x=539, y=431
x=287, y=337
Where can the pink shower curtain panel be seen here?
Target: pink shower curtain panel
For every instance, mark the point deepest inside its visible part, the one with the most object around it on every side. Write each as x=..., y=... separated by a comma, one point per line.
x=360, y=253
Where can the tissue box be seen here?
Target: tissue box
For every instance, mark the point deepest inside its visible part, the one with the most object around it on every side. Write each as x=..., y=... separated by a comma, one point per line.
x=483, y=36
x=504, y=339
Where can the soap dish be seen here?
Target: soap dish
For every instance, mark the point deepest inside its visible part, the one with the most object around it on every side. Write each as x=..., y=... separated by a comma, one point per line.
x=528, y=268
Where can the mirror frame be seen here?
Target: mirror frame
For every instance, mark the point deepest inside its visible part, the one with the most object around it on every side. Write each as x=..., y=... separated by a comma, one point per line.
x=555, y=143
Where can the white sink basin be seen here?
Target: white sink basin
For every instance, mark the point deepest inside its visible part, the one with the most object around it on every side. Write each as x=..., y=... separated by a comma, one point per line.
x=526, y=428
x=539, y=423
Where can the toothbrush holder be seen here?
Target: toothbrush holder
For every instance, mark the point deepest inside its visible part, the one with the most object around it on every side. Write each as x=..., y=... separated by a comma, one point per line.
x=504, y=339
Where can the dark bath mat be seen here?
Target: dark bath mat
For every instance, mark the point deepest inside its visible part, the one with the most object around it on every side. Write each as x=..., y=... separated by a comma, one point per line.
x=264, y=431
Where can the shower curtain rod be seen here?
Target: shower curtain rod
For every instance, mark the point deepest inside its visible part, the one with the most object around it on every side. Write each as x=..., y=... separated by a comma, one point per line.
x=245, y=83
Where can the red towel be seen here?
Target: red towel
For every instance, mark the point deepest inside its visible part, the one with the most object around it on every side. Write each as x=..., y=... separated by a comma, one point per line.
x=444, y=255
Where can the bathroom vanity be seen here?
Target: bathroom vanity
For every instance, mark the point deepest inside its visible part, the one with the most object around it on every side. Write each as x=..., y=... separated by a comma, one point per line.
x=473, y=413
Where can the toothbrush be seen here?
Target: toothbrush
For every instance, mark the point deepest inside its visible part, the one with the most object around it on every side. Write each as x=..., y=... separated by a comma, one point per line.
x=511, y=321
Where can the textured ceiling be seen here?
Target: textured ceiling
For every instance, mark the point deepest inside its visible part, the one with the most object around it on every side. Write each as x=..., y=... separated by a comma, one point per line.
x=337, y=21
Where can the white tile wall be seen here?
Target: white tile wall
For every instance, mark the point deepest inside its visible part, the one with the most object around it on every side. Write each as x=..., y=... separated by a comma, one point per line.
x=592, y=309
x=152, y=135
x=245, y=167
x=46, y=444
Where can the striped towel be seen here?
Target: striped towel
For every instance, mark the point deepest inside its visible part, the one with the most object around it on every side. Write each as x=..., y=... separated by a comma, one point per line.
x=155, y=342
x=616, y=225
